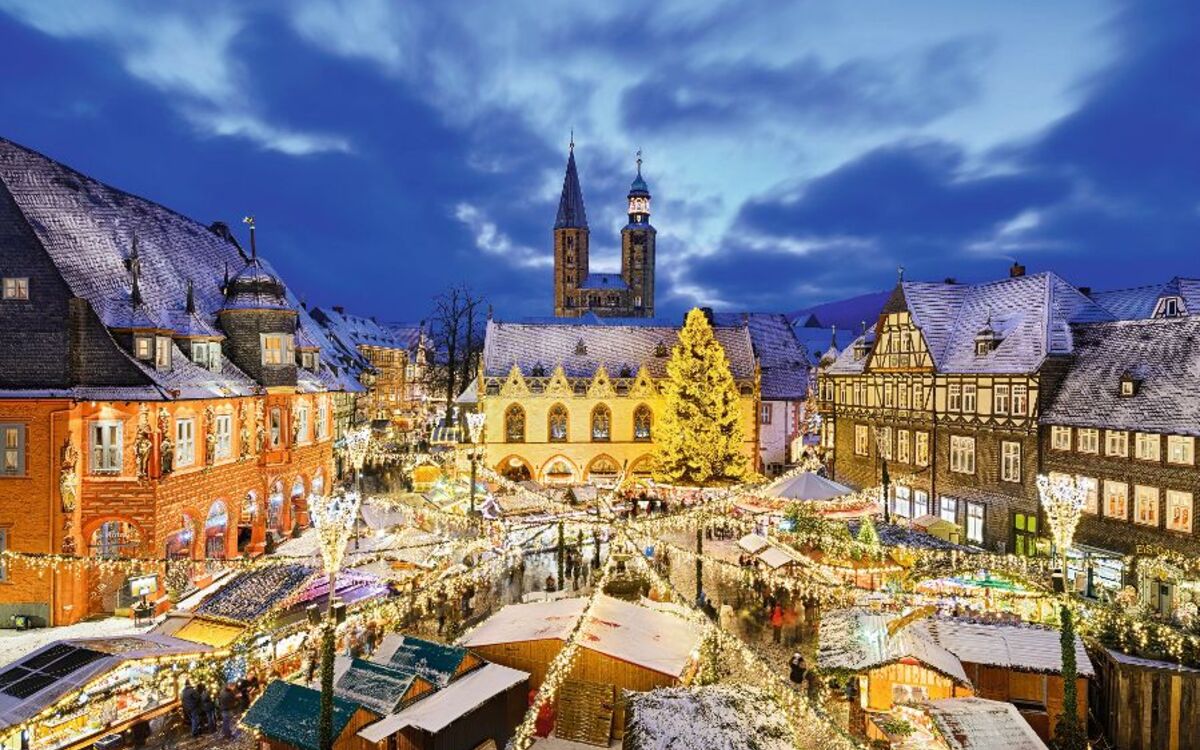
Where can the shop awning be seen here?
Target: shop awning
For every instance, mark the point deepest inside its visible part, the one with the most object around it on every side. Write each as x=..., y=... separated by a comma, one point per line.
x=209, y=632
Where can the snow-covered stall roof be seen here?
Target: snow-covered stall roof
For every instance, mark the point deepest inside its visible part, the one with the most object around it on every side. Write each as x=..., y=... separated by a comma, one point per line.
x=708, y=718
x=437, y=711
x=435, y=662
x=777, y=557
x=38, y=680
x=752, y=543
x=981, y=724
x=1023, y=647
x=857, y=640
x=648, y=636
x=807, y=486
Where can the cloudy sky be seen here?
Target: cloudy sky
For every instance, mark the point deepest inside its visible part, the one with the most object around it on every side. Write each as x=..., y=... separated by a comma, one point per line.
x=797, y=151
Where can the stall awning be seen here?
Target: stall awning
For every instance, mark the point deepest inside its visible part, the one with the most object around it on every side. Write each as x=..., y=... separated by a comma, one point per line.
x=209, y=632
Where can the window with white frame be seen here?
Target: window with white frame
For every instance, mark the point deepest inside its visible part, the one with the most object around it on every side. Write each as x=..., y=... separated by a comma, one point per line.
x=185, y=442
x=962, y=454
x=975, y=523
x=920, y=503
x=885, y=443
x=889, y=394
x=862, y=440
x=1116, y=500
x=1181, y=449
x=1060, y=438
x=322, y=419
x=276, y=427
x=12, y=442
x=16, y=287
x=969, y=398
x=1020, y=401
x=1179, y=511
x=106, y=446
x=918, y=395
x=827, y=434
x=302, y=423
x=277, y=349
x=223, y=429
x=902, y=505
x=948, y=509
x=1000, y=399
x=921, y=448
x=954, y=399
x=1091, y=493
x=1116, y=443
x=1089, y=440
x=1145, y=505
x=764, y=414
x=903, y=446
x=1146, y=446
x=1010, y=461
x=162, y=352
x=143, y=347
x=903, y=393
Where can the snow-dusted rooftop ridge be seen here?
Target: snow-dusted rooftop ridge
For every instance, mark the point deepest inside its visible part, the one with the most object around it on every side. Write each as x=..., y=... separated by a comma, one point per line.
x=784, y=360
x=982, y=724
x=858, y=640
x=646, y=634
x=1033, y=314
x=1139, y=303
x=581, y=349
x=715, y=717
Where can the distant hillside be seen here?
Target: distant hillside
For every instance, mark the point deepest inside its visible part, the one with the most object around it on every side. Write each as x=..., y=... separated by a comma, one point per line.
x=846, y=314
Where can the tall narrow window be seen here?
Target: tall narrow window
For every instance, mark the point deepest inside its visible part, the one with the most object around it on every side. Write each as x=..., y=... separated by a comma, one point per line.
x=643, y=422
x=223, y=427
x=302, y=423
x=862, y=440
x=601, y=423
x=962, y=454
x=1179, y=511
x=1116, y=500
x=1025, y=534
x=765, y=410
x=948, y=510
x=1020, y=401
x=185, y=442
x=1010, y=461
x=276, y=427
x=1091, y=493
x=12, y=442
x=969, y=398
x=884, y=438
x=903, y=446
x=954, y=400
x=921, y=446
x=975, y=523
x=322, y=419
x=1145, y=505
x=1000, y=399
x=106, y=447
x=557, y=424
x=514, y=424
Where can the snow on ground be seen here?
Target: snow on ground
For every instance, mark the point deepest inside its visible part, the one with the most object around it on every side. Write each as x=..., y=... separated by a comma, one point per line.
x=15, y=644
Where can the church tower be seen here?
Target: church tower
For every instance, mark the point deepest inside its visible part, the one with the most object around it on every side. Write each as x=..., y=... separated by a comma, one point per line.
x=637, y=248
x=570, y=244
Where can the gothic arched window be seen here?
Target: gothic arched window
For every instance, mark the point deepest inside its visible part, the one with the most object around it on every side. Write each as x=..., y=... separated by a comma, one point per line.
x=514, y=424
x=558, y=423
x=643, y=420
x=601, y=423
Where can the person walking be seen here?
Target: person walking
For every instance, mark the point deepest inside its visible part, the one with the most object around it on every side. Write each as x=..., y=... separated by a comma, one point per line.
x=227, y=703
x=777, y=623
x=189, y=699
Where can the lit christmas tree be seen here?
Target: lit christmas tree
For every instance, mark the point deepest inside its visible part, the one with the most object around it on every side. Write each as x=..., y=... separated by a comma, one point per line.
x=701, y=440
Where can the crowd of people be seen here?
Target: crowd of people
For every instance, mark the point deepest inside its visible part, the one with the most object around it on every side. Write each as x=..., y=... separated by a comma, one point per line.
x=209, y=708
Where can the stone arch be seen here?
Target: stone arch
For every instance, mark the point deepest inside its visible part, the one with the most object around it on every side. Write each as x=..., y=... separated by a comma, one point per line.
x=559, y=470
x=603, y=469
x=112, y=536
x=276, y=517
x=558, y=420
x=298, y=501
x=514, y=423
x=184, y=542
x=515, y=468
x=217, y=537
x=642, y=466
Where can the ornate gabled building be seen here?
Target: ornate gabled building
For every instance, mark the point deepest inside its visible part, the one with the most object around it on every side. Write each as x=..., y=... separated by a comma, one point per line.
x=572, y=402
x=946, y=390
x=162, y=395
x=628, y=294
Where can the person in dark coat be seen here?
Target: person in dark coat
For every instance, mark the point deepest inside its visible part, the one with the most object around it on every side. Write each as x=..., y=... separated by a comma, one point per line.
x=139, y=733
x=227, y=704
x=208, y=709
x=189, y=699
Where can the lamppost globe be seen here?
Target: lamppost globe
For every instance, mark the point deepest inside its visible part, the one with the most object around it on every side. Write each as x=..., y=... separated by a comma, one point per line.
x=1062, y=500
x=475, y=422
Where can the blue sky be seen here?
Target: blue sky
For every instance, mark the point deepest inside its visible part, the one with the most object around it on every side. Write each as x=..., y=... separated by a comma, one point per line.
x=798, y=152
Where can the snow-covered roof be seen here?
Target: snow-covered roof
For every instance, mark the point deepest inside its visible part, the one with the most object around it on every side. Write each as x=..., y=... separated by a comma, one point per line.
x=1031, y=314
x=1139, y=303
x=1160, y=353
x=777, y=557
x=715, y=717
x=39, y=679
x=783, y=359
x=378, y=687
x=437, y=711
x=752, y=543
x=581, y=349
x=1023, y=647
x=857, y=640
x=981, y=724
x=645, y=634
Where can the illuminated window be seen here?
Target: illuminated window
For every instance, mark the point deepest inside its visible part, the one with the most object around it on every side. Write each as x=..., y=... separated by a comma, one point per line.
x=862, y=440
x=1116, y=443
x=1145, y=505
x=962, y=454
x=1146, y=446
x=1179, y=511
x=1116, y=500
x=514, y=424
x=601, y=423
x=185, y=442
x=12, y=442
x=1181, y=449
x=1091, y=497
x=16, y=287
x=1010, y=461
x=1060, y=438
x=643, y=422
x=1089, y=440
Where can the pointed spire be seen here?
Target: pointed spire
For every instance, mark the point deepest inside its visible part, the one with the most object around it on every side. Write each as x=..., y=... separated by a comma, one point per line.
x=639, y=186
x=833, y=339
x=899, y=274
x=191, y=298
x=135, y=268
x=253, y=247
x=571, y=213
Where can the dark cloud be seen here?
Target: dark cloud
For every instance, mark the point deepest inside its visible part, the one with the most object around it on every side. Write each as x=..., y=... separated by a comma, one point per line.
x=862, y=92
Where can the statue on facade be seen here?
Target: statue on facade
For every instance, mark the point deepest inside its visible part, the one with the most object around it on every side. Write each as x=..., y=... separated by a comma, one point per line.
x=295, y=422
x=260, y=426
x=166, y=448
x=68, y=476
x=143, y=444
x=244, y=431
x=210, y=436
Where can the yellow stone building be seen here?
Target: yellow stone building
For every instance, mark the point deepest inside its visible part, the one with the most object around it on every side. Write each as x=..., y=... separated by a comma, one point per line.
x=573, y=401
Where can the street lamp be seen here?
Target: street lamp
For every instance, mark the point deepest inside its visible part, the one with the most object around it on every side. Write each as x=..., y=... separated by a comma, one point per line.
x=475, y=422
x=357, y=442
x=334, y=518
x=1062, y=500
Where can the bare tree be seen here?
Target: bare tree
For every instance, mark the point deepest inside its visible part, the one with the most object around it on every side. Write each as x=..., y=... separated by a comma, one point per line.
x=456, y=332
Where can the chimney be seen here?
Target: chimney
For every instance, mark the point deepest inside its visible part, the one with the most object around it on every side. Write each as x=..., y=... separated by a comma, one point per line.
x=1086, y=291
x=951, y=280
x=708, y=314
x=339, y=309
x=1016, y=270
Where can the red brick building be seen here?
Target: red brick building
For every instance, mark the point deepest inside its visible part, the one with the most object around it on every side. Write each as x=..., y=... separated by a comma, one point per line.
x=162, y=394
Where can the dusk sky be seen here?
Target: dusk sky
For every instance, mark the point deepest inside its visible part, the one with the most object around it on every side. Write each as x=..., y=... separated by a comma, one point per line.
x=797, y=152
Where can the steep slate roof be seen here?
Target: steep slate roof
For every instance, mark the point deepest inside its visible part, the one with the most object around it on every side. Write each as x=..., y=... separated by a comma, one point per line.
x=1032, y=315
x=1138, y=303
x=783, y=359
x=89, y=229
x=289, y=713
x=571, y=213
x=549, y=344
x=1164, y=354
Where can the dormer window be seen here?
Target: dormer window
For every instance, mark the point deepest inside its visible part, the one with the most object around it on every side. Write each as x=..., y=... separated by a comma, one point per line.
x=207, y=354
x=162, y=353
x=143, y=347
x=1129, y=385
x=539, y=370
x=661, y=351
x=1169, y=307
x=861, y=348
x=580, y=348
x=310, y=361
x=277, y=349
x=16, y=287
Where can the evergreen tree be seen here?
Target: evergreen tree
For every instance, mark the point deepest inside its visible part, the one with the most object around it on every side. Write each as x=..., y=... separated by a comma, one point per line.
x=700, y=438
x=1068, y=734
x=868, y=534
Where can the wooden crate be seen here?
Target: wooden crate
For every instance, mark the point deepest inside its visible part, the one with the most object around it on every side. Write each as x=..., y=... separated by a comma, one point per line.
x=585, y=712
